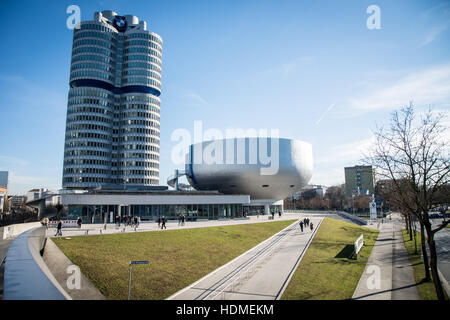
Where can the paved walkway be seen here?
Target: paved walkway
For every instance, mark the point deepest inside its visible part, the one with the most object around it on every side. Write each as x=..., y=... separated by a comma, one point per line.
x=388, y=274
x=111, y=228
x=262, y=273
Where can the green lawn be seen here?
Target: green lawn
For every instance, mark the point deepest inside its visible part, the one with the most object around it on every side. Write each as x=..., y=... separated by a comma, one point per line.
x=327, y=271
x=426, y=289
x=177, y=257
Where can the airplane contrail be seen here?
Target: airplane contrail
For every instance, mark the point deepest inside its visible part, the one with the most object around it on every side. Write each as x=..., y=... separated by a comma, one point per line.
x=323, y=115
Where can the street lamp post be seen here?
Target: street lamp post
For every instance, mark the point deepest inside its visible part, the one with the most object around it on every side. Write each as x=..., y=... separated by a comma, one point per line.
x=129, y=276
x=353, y=204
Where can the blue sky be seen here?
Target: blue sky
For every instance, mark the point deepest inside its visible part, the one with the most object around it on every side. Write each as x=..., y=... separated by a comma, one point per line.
x=311, y=69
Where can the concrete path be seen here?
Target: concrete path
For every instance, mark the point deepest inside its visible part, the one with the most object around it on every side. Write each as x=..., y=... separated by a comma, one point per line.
x=59, y=265
x=262, y=273
x=388, y=274
x=96, y=229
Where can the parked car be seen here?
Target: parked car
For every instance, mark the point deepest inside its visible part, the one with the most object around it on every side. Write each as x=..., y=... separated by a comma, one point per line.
x=435, y=215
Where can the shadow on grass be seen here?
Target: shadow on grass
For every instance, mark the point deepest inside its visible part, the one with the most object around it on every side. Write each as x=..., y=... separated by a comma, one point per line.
x=346, y=252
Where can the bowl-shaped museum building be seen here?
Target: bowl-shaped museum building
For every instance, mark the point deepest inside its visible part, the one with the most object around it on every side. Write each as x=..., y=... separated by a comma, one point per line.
x=267, y=169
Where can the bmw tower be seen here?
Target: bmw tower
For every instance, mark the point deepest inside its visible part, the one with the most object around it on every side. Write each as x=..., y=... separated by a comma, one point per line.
x=113, y=111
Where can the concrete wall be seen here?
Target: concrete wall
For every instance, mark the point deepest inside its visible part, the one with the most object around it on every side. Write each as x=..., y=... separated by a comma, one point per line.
x=26, y=276
x=16, y=229
x=352, y=217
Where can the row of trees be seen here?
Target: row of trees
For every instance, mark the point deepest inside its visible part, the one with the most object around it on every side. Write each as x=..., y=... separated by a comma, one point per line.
x=412, y=157
x=334, y=199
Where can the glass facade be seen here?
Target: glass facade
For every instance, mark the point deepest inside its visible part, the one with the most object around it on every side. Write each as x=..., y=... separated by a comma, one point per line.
x=193, y=212
x=253, y=210
x=113, y=114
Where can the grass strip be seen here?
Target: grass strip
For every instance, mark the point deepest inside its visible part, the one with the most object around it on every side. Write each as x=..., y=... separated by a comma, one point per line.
x=426, y=289
x=328, y=271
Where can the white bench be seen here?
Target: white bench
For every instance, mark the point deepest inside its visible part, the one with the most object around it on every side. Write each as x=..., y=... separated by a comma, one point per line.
x=359, y=243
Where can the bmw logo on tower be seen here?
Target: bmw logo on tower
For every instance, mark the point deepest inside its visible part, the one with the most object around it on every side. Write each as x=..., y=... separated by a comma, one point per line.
x=120, y=23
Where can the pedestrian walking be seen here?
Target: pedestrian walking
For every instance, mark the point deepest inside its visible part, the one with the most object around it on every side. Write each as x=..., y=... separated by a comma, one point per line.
x=159, y=222
x=58, y=228
x=311, y=226
x=163, y=225
x=46, y=223
x=273, y=214
x=301, y=225
x=279, y=214
x=179, y=220
x=183, y=217
x=79, y=222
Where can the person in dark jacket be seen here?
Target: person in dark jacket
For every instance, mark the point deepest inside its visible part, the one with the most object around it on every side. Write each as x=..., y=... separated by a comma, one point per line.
x=311, y=226
x=79, y=222
x=58, y=228
x=163, y=221
x=301, y=225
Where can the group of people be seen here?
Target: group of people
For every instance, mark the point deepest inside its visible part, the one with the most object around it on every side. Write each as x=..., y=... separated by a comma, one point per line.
x=162, y=222
x=181, y=219
x=273, y=214
x=132, y=221
x=306, y=223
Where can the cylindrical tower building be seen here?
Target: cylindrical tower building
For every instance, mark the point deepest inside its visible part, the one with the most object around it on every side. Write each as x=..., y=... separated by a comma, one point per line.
x=113, y=114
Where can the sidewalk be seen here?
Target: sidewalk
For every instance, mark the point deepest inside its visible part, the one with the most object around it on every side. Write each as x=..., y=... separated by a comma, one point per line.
x=111, y=228
x=396, y=275
x=262, y=273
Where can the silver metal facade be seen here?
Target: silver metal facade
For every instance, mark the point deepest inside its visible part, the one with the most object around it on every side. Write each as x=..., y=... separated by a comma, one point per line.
x=113, y=112
x=232, y=168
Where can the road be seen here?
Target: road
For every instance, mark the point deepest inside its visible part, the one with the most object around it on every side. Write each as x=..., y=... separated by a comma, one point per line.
x=442, y=240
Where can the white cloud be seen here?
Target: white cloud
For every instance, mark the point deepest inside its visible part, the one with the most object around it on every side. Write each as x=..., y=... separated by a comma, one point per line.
x=427, y=87
x=434, y=33
x=195, y=99
x=345, y=154
x=329, y=163
x=329, y=177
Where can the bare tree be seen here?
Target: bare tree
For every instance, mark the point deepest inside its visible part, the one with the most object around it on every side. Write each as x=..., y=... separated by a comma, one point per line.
x=414, y=156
